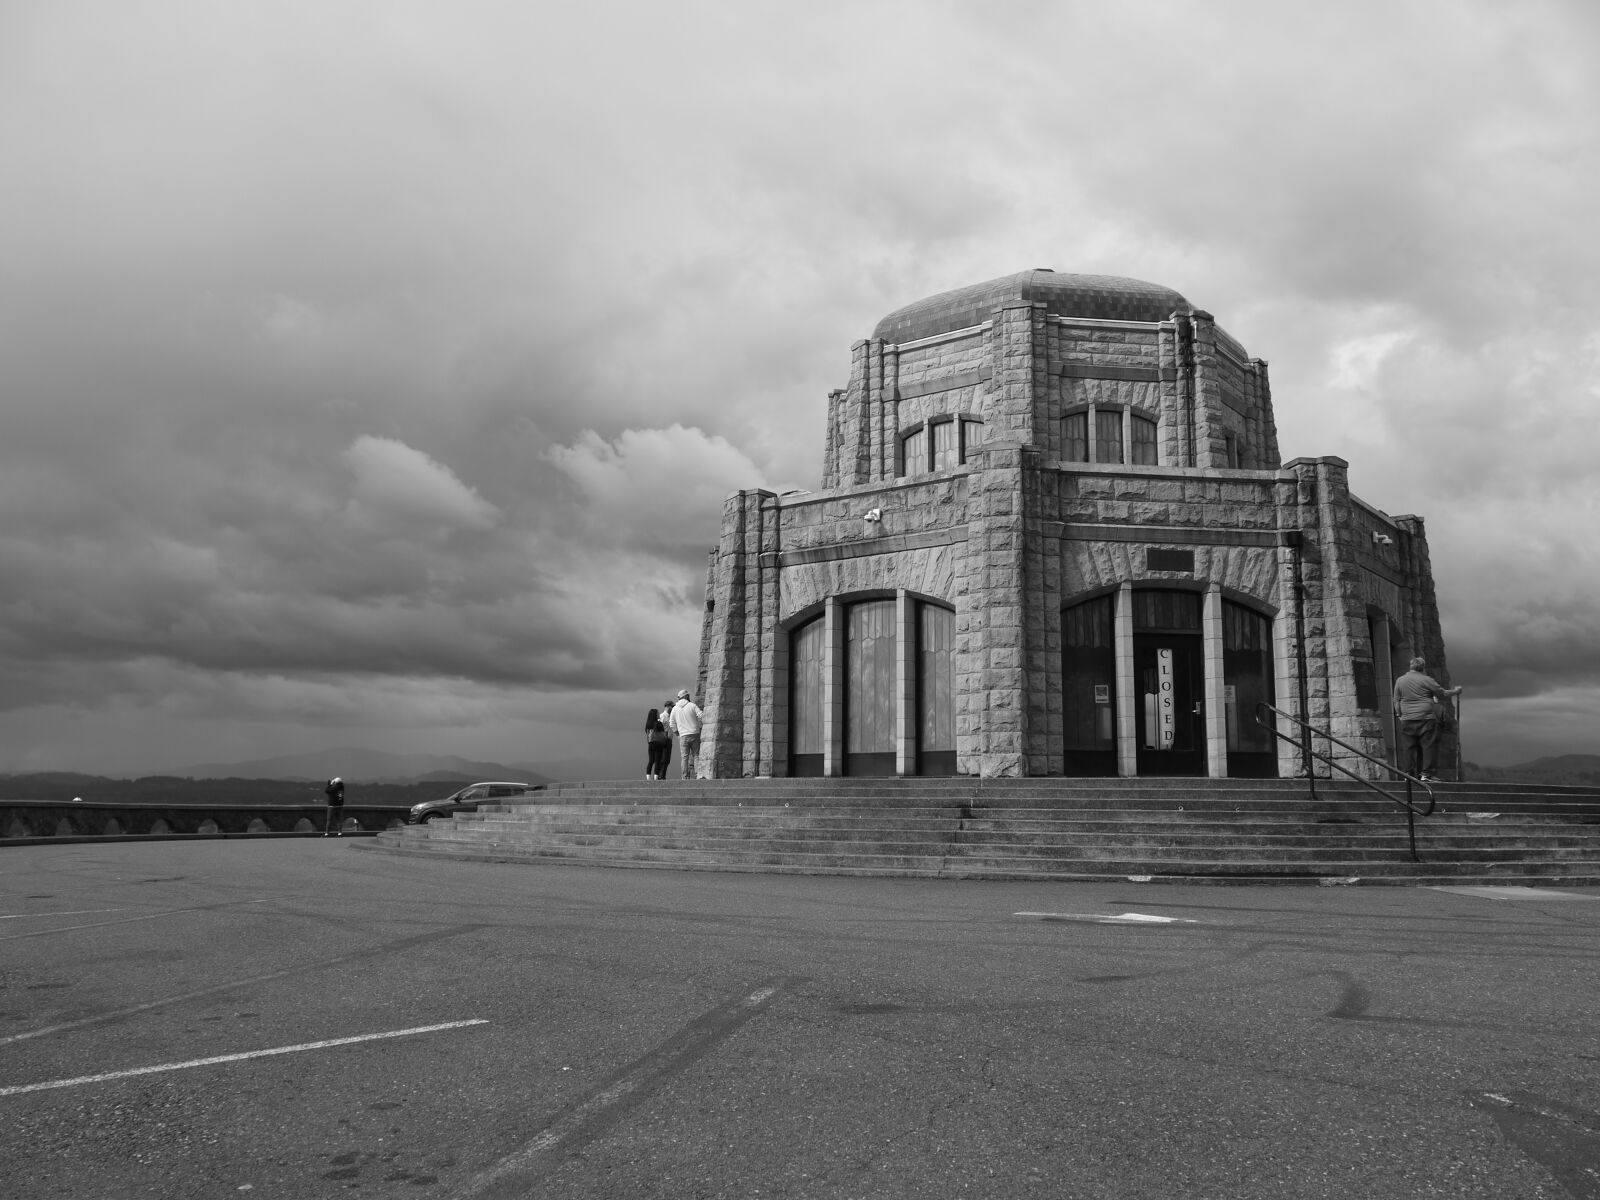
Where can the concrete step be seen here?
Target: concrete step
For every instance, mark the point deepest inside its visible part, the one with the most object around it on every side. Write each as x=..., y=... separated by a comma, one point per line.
x=1210, y=830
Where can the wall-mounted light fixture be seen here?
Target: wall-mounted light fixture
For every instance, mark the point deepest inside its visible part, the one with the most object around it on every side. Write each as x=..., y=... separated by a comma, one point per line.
x=1381, y=539
x=874, y=515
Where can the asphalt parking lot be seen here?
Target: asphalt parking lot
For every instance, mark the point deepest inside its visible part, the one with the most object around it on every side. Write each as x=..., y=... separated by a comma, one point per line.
x=314, y=1018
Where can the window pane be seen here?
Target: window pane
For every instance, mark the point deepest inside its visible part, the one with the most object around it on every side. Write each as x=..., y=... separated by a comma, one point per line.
x=1075, y=435
x=1143, y=431
x=915, y=453
x=807, y=661
x=1166, y=610
x=1246, y=674
x=1088, y=661
x=869, y=674
x=972, y=435
x=935, y=679
x=945, y=450
x=1108, y=436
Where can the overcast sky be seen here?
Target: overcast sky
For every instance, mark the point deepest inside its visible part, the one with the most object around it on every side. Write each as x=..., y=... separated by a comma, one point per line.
x=372, y=371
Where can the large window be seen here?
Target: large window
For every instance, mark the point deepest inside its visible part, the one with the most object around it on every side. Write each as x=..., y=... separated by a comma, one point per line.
x=1109, y=435
x=808, y=664
x=869, y=689
x=939, y=445
x=1089, y=679
x=936, y=721
x=1247, y=681
x=894, y=707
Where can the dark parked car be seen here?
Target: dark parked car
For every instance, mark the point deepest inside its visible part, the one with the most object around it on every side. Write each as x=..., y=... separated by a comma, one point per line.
x=466, y=800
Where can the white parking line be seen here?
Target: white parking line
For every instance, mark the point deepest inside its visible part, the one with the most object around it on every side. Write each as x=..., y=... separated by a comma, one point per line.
x=82, y=912
x=1127, y=918
x=227, y=1058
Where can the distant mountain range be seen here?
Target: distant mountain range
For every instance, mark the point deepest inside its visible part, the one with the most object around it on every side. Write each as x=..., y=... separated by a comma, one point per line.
x=367, y=766
x=1577, y=769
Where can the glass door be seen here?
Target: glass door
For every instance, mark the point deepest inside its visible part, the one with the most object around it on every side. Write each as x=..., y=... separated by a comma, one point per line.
x=1169, y=677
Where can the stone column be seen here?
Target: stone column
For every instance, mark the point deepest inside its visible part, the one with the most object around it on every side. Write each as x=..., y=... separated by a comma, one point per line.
x=905, y=684
x=732, y=651
x=1127, y=692
x=833, y=636
x=1216, y=692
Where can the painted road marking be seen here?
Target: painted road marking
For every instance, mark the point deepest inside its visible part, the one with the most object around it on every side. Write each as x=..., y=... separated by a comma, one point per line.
x=82, y=912
x=625, y=1090
x=231, y=985
x=1127, y=918
x=1512, y=892
x=166, y=912
x=248, y=1054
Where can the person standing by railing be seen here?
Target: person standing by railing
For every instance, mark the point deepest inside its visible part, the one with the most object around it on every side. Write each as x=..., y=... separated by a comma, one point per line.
x=1416, y=698
x=335, y=794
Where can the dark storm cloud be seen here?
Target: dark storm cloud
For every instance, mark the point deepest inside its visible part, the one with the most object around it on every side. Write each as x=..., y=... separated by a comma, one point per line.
x=383, y=366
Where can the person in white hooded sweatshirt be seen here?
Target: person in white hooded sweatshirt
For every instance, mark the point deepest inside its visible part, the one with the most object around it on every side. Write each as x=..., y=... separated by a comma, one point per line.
x=687, y=717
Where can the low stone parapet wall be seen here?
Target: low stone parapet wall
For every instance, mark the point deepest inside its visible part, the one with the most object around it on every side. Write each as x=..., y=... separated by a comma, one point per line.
x=33, y=819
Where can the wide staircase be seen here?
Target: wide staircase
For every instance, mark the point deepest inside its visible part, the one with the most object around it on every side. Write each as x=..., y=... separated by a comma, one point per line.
x=1172, y=830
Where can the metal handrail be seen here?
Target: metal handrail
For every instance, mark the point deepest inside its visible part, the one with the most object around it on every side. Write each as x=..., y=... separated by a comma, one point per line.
x=1412, y=811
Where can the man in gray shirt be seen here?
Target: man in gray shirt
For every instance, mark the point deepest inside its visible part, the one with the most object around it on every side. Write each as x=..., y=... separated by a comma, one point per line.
x=1416, y=697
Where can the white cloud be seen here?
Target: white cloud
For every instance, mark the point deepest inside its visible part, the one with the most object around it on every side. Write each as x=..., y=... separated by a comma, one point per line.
x=396, y=487
x=661, y=487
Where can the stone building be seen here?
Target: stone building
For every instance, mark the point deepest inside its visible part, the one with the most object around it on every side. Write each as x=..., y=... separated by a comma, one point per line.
x=1054, y=536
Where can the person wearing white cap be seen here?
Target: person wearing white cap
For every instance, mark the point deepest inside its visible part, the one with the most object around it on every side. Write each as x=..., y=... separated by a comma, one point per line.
x=686, y=718
x=335, y=793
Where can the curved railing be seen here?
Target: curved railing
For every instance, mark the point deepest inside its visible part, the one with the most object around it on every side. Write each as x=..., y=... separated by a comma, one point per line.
x=1306, y=745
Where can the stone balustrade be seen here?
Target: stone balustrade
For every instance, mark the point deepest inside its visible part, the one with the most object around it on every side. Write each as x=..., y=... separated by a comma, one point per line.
x=28, y=820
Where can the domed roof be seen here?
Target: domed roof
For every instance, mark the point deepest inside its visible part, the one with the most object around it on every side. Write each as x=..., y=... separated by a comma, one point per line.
x=1103, y=297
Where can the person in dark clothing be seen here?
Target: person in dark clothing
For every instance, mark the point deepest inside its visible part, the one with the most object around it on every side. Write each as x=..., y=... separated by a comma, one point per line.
x=1417, y=697
x=659, y=744
x=335, y=794
x=666, y=750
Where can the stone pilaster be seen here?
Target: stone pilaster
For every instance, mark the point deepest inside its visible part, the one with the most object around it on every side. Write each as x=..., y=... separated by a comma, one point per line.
x=1215, y=699
x=833, y=685
x=995, y=543
x=1263, y=421
x=1210, y=445
x=1041, y=617
x=1127, y=685
x=1020, y=374
x=905, y=684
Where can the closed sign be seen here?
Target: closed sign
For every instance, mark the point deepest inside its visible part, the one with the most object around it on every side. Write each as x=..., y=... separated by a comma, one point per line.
x=1166, y=713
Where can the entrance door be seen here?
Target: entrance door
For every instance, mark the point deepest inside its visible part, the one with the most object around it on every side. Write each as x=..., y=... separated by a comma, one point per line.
x=1168, y=671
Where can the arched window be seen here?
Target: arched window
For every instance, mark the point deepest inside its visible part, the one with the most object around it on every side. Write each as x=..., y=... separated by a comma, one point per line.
x=1098, y=434
x=889, y=707
x=940, y=445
